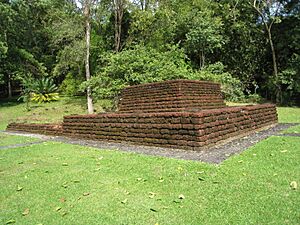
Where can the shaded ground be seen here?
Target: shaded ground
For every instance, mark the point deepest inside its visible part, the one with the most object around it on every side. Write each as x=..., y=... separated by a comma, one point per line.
x=215, y=154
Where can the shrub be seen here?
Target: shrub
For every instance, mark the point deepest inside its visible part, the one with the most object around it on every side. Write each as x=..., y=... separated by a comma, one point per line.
x=231, y=87
x=136, y=66
x=70, y=85
x=144, y=64
x=42, y=90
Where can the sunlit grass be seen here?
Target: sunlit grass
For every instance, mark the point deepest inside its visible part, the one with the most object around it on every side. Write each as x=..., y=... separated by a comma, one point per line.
x=68, y=184
x=6, y=139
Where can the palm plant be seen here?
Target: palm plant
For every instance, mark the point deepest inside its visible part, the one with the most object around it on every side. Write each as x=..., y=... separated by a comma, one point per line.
x=44, y=90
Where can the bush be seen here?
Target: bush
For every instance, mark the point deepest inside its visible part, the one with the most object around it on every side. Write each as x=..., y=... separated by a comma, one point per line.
x=42, y=90
x=231, y=87
x=70, y=85
x=145, y=65
x=136, y=66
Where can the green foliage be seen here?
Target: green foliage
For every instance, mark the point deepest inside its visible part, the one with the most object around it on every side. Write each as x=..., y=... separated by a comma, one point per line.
x=253, y=98
x=40, y=98
x=70, y=85
x=139, y=65
x=44, y=90
x=41, y=90
x=28, y=86
x=46, y=38
x=231, y=87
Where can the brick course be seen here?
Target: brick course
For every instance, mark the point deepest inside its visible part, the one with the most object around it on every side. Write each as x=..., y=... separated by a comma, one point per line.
x=170, y=96
x=187, y=130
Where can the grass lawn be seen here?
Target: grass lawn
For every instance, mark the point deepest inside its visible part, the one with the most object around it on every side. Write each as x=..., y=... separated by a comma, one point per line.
x=54, y=183
x=292, y=130
x=6, y=140
x=288, y=114
x=52, y=112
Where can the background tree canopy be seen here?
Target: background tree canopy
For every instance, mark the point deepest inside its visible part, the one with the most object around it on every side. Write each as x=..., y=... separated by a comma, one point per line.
x=137, y=41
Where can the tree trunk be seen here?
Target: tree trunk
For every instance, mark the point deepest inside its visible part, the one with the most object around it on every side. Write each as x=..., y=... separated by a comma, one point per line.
x=275, y=69
x=201, y=60
x=87, y=59
x=9, y=87
x=119, y=11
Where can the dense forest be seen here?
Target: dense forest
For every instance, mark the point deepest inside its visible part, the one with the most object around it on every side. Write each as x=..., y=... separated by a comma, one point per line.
x=252, y=47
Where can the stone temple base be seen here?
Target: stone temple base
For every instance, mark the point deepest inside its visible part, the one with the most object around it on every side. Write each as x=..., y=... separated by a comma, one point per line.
x=177, y=114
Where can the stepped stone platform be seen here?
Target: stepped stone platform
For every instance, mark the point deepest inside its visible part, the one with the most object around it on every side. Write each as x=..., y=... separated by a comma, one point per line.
x=171, y=96
x=176, y=114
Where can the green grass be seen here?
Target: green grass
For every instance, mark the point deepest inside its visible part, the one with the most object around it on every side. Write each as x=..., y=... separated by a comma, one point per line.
x=288, y=114
x=292, y=130
x=251, y=188
x=6, y=139
x=51, y=112
x=69, y=184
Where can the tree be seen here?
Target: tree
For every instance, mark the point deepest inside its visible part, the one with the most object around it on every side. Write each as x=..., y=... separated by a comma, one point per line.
x=269, y=10
x=118, y=7
x=87, y=15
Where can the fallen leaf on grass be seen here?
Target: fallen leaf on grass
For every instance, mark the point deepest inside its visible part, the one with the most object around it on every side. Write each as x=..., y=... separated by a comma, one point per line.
x=201, y=179
x=294, y=185
x=62, y=200
x=124, y=201
x=86, y=193
x=65, y=185
x=26, y=212
x=181, y=196
x=64, y=213
x=57, y=208
x=152, y=194
x=19, y=188
x=10, y=221
x=141, y=179
x=161, y=179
